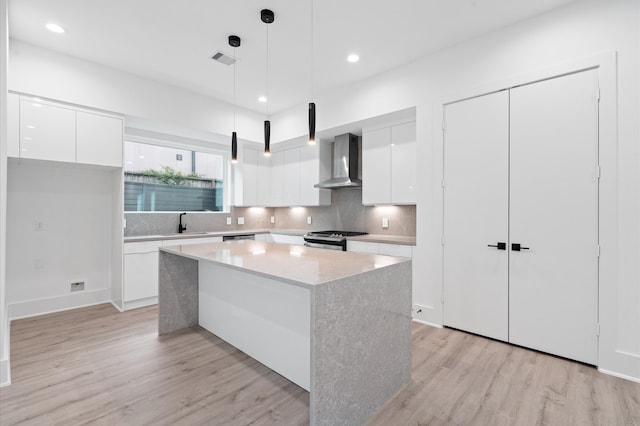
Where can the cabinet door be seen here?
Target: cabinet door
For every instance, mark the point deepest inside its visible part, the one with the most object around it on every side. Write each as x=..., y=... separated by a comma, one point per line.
x=264, y=180
x=403, y=164
x=397, y=250
x=292, y=177
x=99, y=139
x=140, y=276
x=249, y=177
x=363, y=247
x=476, y=177
x=190, y=241
x=277, y=179
x=309, y=176
x=47, y=132
x=376, y=170
x=553, y=289
x=13, y=125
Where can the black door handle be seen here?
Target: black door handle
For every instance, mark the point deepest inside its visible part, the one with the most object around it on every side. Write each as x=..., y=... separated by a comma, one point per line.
x=518, y=247
x=499, y=246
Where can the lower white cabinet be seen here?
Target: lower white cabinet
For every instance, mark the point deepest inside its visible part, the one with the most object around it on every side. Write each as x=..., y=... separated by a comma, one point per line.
x=297, y=240
x=141, y=269
x=397, y=250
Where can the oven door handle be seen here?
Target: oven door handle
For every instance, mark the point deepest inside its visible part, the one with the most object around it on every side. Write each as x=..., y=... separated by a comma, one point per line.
x=323, y=246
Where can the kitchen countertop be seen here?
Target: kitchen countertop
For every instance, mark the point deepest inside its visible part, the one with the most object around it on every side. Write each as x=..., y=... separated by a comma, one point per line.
x=372, y=238
x=298, y=265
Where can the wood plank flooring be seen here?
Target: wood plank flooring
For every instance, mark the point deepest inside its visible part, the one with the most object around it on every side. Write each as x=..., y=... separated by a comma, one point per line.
x=98, y=366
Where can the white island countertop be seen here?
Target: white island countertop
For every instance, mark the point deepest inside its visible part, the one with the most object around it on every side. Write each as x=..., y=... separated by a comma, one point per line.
x=302, y=266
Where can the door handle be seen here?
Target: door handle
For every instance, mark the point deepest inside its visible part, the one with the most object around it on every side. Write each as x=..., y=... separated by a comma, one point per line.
x=518, y=247
x=499, y=246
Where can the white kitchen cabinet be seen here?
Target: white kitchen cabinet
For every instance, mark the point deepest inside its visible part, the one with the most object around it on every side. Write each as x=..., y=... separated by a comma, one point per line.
x=141, y=268
x=287, y=239
x=403, y=164
x=98, y=139
x=389, y=165
x=13, y=125
x=246, y=177
x=292, y=177
x=376, y=167
x=141, y=273
x=314, y=167
x=264, y=180
x=47, y=132
x=277, y=179
x=386, y=249
x=44, y=130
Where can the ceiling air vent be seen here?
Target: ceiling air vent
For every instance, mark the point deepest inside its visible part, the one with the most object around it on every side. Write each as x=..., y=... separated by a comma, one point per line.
x=223, y=58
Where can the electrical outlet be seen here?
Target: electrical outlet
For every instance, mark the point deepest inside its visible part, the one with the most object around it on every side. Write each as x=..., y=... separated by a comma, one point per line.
x=39, y=226
x=273, y=219
x=385, y=222
x=308, y=220
x=228, y=220
x=240, y=220
x=78, y=286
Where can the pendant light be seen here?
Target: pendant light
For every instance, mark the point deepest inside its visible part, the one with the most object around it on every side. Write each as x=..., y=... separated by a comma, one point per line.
x=267, y=16
x=312, y=105
x=234, y=41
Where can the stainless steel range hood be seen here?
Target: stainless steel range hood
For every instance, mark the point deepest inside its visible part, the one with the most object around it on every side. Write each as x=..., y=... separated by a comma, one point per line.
x=345, y=164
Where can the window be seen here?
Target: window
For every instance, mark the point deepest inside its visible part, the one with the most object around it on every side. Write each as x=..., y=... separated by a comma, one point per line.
x=159, y=179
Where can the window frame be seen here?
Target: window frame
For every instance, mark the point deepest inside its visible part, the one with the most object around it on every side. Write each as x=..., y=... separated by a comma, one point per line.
x=191, y=145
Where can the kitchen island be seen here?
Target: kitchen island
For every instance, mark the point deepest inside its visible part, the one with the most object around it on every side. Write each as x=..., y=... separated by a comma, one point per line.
x=337, y=324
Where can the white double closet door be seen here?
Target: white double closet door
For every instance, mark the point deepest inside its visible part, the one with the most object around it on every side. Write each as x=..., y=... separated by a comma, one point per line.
x=521, y=171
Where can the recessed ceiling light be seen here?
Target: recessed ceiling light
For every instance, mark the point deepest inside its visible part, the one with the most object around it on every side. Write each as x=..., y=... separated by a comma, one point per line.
x=262, y=99
x=55, y=28
x=353, y=58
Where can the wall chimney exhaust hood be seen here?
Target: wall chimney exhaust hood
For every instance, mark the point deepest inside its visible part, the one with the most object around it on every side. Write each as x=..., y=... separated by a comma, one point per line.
x=345, y=164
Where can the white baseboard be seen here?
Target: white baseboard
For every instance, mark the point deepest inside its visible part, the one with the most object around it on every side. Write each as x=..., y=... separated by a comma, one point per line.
x=5, y=373
x=30, y=308
x=428, y=323
x=622, y=376
x=140, y=303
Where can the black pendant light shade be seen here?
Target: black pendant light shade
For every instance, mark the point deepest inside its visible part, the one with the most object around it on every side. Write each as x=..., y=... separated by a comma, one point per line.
x=234, y=147
x=267, y=138
x=312, y=123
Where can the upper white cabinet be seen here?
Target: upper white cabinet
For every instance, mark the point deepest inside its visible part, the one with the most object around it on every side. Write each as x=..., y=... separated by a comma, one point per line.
x=292, y=177
x=44, y=130
x=403, y=164
x=13, y=125
x=276, y=198
x=284, y=179
x=98, y=139
x=246, y=178
x=314, y=167
x=47, y=132
x=389, y=165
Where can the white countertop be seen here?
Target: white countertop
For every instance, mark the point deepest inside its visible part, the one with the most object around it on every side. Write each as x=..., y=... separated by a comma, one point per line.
x=303, y=266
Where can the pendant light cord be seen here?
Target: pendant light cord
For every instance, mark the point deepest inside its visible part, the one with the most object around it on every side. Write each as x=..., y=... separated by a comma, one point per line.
x=312, y=50
x=235, y=64
x=267, y=74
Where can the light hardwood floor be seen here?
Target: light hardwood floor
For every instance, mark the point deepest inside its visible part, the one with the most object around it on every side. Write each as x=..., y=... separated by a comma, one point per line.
x=97, y=366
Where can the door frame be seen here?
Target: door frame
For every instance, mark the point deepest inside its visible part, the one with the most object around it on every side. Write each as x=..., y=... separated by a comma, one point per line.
x=606, y=63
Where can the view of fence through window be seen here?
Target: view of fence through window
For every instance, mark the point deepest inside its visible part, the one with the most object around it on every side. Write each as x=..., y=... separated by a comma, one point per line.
x=158, y=178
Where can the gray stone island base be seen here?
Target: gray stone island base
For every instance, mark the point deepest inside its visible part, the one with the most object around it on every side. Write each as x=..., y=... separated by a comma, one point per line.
x=360, y=322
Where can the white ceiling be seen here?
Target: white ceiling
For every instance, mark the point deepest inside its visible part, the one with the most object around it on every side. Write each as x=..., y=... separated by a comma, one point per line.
x=172, y=42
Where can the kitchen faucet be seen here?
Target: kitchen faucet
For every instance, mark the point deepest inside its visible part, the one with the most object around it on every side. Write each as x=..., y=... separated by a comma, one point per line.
x=182, y=227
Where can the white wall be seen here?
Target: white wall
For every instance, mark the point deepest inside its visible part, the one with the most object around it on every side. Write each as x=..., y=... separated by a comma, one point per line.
x=578, y=30
x=5, y=375
x=48, y=74
x=73, y=205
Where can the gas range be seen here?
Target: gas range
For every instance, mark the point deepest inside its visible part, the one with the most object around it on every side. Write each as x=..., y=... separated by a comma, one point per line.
x=335, y=240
